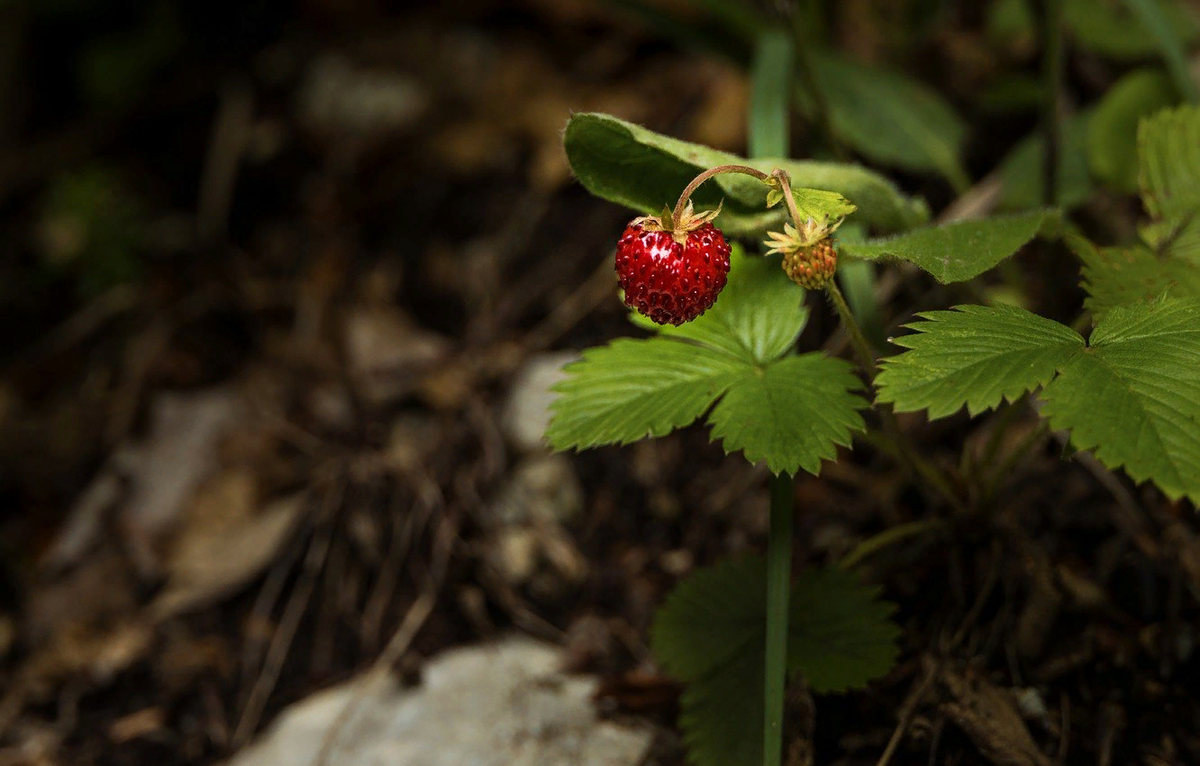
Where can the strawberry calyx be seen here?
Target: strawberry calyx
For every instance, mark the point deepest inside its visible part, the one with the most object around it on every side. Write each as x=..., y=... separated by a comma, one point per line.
x=793, y=239
x=678, y=226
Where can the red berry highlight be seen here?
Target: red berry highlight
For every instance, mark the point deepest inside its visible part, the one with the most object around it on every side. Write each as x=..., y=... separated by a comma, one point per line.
x=668, y=280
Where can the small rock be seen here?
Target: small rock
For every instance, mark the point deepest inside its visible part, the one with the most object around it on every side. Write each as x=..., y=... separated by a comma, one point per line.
x=504, y=704
x=515, y=555
x=526, y=412
x=542, y=489
x=338, y=96
x=1031, y=704
x=677, y=563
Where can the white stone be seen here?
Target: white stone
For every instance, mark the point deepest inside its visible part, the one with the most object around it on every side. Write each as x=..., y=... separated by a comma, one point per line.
x=502, y=704
x=527, y=409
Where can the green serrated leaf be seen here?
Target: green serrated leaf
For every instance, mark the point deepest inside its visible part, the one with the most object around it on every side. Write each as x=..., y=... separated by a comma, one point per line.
x=974, y=356
x=821, y=205
x=633, y=389
x=643, y=170
x=710, y=633
x=756, y=318
x=889, y=117
x=711, y=617
x=1113, y=276
x=719, y=714
x=1134, y=398
x=958, y=251
x=840, y=635
x=1169, y=176
x=1021, y=169
x=793, y=414
x=1132, y=394
x=1112, y=131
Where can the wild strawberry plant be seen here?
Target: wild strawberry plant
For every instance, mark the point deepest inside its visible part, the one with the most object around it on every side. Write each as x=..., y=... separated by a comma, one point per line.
x=725, y=323
x=1130, y=391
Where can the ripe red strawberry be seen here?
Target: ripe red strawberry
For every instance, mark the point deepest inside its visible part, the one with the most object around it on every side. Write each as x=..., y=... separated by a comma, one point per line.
x=672, y=277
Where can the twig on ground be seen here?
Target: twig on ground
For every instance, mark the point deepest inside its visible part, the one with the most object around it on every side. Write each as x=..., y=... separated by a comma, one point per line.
x=414, y=620
x=231, y=134
x=282, y=640
x=907, y=708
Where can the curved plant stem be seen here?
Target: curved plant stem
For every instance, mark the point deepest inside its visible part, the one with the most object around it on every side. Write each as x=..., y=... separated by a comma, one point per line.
x=889, y=536
x=785, y=186
x=681, y=205
x=779, y=585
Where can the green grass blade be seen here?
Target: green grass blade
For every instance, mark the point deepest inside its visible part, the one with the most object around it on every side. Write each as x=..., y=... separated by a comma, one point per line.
x=772, y=82
x=1159, y=26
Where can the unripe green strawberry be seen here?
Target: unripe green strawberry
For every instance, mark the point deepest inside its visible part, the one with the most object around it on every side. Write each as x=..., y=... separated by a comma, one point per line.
x=672, y=276
x=809, y=259
x=811, y=267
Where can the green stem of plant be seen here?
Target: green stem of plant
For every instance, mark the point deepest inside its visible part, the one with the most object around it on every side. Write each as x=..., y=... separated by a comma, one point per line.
x=866, y=355
x=681, y=205
x=889, y=536
x=921, y=467
x=768, y=128
x=779, y=585
x=1004, y=418
x=1027, y=444
x=1052, y=74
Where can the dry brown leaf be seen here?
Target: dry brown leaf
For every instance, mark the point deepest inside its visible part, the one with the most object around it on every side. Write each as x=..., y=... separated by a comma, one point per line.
x=388, y=352
x=180, y=453
x=990, y=717
x=98, y=591
x=225, y=544
x=137, y=725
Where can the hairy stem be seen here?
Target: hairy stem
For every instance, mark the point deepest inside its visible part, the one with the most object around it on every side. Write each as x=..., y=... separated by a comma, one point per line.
x=681, y=205
x=779, y=585
x=862, y=347
x=785, y=186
